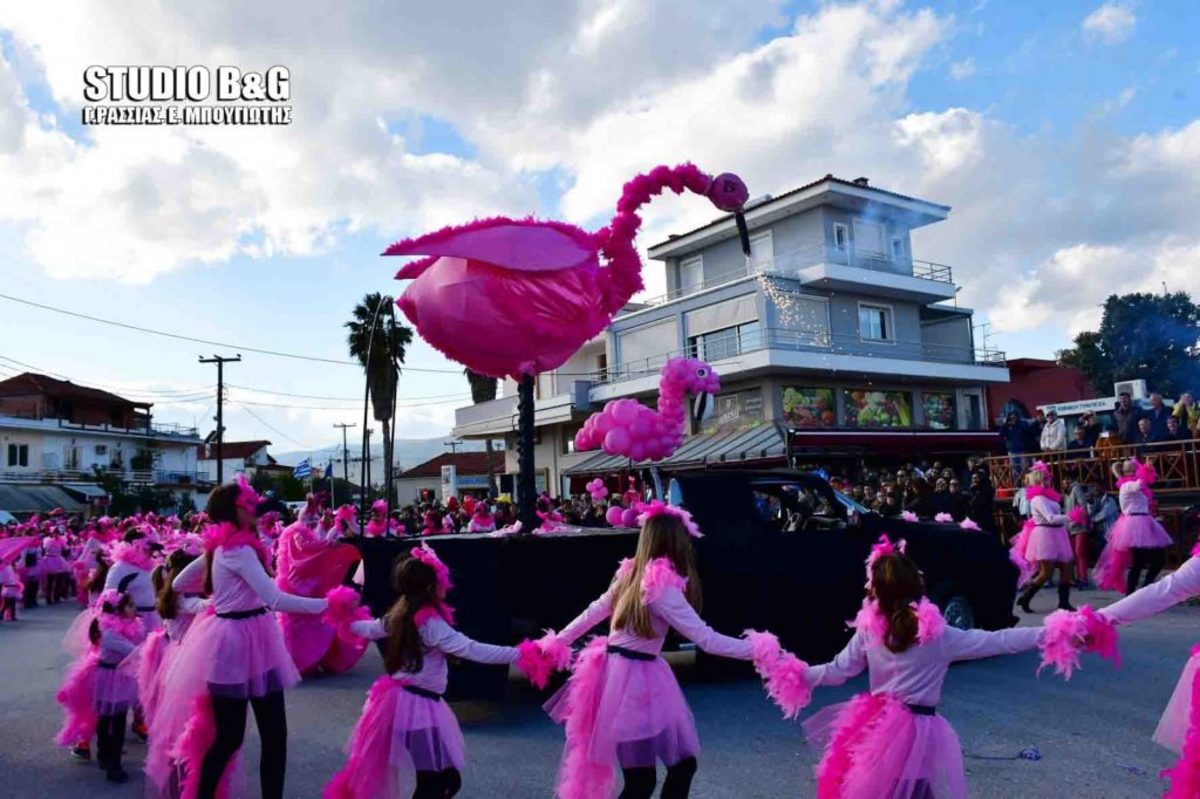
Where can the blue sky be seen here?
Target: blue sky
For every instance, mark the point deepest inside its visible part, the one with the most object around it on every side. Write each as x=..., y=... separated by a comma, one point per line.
x=1018, y=113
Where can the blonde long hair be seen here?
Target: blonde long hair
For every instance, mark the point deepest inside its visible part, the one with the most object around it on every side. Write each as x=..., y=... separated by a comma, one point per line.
x=661, y=537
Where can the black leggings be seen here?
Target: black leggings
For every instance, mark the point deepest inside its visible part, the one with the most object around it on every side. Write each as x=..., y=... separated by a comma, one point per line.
x=230, y=717
x=639, y=782
x=1149, y=558
x=437, y=784
x=110, y=740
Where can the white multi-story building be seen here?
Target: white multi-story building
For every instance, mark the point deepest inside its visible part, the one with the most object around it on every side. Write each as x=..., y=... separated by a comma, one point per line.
x=830, y=338
x=55, y=433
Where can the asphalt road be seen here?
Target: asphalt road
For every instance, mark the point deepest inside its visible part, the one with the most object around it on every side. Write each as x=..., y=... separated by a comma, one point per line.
x=1093, y=732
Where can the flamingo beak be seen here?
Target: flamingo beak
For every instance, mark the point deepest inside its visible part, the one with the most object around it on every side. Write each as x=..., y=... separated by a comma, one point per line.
x=699, y=405
x=743, y=231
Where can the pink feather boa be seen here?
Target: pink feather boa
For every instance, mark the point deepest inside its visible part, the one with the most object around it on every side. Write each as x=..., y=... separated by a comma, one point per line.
x=1111, y=568
x=659, y=508
x=1078, y=516
x=1032, y=492
x=344, y=608
x=1016, y=552
x=1185, y=774
x=225, y=534
x=539, y=659
x=148, y=679
x=784, y=675
x=366, y=766
x=439, y=610
x=658, y=577
x=132, y=629
x=134, y=553
x=874, y=625
x=1068, y=634
x=75, y=696
x=580, y=777
x=863, y=713
x=193, y=744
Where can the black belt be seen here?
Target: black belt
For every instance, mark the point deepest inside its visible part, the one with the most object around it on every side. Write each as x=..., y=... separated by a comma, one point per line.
x=922, y=710
x=242, y=614
x=143, y=609
x=417, y=691
x=631, y=654
x=110, y=666
x=1049, y=525
x=1137, y=513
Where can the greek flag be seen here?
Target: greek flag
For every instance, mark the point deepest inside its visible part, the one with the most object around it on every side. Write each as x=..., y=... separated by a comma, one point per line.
x=303, y=469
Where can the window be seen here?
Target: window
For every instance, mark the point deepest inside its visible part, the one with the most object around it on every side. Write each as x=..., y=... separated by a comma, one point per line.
x=868, y=239
x=875, y=323
x=725, y=343
x=897, y=249
x=841, y=236
x=801, y=319
x=762, y=251
x=691, y=275
x=101, y=449
x=71, y=458
x=18, y=454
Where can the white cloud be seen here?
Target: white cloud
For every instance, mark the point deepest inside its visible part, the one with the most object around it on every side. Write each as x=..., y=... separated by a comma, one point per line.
x=1110, y=23
x=961, y=70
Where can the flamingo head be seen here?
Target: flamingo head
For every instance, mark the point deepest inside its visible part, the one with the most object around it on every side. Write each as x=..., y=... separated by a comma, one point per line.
x=728, y=192
x=691, y=376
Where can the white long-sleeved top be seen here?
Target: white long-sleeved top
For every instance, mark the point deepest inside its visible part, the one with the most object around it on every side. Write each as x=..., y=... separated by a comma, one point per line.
x=1181, y=584
x=670, y=610
x=186, y=610
x=1054, y=436
x=140, y=587
x=1133, y=499
x=438, y=640
x=240, y=582
x=115, y=647
x=916, y=675
x=1045, y=512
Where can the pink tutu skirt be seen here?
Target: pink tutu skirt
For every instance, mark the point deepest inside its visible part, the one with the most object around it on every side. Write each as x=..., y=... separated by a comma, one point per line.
x=239, y=658
x=874, y=747
x=152, y=665
x=619, y=711
x=54, y=564
x=1172, y=727
x=398, y=734
x=1138, y=531
x=115, y=689
x=1049, y=543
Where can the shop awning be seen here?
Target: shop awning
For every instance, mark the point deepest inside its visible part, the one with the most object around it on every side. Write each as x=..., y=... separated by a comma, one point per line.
x=88, y=491
x=37, y=499
x=903, y=443
x=741, y=446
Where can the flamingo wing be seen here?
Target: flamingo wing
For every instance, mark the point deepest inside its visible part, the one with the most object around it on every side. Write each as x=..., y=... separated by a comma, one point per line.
x=527, y=245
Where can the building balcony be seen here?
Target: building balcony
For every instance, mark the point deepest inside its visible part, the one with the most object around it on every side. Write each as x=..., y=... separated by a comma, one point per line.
x=832, y=269
x=163, y=477
x=165, y=432
x=783, y=350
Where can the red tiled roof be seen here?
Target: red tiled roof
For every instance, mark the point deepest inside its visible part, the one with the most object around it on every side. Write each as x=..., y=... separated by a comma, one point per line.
x=231, y=449
x=465, y=462
x=31, y=383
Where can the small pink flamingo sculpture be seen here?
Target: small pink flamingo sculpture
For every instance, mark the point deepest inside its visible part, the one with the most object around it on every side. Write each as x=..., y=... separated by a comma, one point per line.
x=627, y=427
x=515, y=297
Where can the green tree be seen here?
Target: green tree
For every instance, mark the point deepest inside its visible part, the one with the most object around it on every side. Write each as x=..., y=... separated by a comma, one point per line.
x=484, y=389
x=378, y=343
x=1154, y=337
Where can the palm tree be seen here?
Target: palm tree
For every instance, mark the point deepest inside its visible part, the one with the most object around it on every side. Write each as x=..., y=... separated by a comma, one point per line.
x=483, y=389
x=378, y=343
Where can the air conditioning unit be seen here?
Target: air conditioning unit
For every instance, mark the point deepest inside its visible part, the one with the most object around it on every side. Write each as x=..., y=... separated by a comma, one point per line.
x=1136, y=389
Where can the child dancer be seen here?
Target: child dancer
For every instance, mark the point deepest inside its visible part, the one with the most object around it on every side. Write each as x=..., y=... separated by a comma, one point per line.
x=100, y=688
x=1179, y=727
x=130, y=574
x=890, y=743
x=622, y=705
x=11, y=589
x=1045, y=540
x=229, y=660
x=407, y=741
x=1137, y=541
x=177, y=610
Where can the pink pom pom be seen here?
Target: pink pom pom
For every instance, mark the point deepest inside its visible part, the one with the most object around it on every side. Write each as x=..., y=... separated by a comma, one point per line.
x=908, y=516
x=968, y=524
x=531, y=661
x=1185, y=774
x=944, y=518
x=613, y=515
x=343, y=609
x=1078, y=516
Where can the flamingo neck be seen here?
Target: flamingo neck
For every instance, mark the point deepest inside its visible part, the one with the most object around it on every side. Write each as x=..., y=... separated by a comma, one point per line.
x=623, y=277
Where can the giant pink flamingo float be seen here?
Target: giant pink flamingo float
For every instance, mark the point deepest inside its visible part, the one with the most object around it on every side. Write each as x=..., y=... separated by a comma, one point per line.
x=515, y=297
x=627, y=427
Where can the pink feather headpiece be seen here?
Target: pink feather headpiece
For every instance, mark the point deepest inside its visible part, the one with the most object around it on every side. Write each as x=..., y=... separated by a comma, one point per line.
x=109, y=596
x=379, y=506
x=884, y=548
x=1040, y=466
x=248, y=498
x=659, y=508
x=426, y=555
x=344, y=513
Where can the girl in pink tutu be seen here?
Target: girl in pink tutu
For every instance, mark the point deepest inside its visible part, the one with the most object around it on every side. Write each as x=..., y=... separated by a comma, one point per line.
x=55, y=570
x=622, y=705
x=1044, y=540
x=100, y=687
x=177, y=611
x=407, y=741
x=891, y=743
x=11, y=588
x=1179, y=727
x=1137, y=541
x=231, y=659
x=132, y=566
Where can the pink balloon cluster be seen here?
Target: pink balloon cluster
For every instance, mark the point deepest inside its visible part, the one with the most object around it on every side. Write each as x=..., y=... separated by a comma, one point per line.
x=597, y=490
x=628, y=428
x=622, y=517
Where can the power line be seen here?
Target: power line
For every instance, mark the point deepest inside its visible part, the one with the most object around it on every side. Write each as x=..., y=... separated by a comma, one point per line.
x=455, y=395
x=275, y=430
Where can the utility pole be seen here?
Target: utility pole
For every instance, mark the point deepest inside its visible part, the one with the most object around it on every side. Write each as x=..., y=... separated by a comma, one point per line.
x=453, y=445
x=220, y=362
x=345, y=454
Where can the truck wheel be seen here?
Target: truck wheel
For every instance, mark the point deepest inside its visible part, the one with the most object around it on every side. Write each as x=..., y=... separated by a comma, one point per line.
x=959, y=613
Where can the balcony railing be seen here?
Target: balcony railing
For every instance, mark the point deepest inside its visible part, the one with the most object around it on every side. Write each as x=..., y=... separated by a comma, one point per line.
x=789, y=265
x=811, y=341
x=1177, y=464
x=151, y=429
x=145, y=476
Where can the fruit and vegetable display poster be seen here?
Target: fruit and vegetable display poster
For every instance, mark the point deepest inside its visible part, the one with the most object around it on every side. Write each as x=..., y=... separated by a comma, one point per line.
x=878, y=408
x=939, y=410
x=809, y=407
